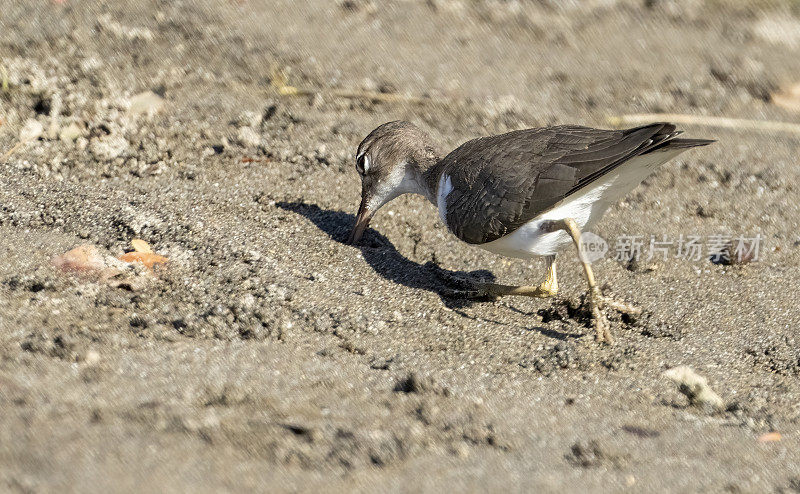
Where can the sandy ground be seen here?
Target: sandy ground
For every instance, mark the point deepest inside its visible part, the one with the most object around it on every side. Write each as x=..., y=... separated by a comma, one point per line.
x=269, y=355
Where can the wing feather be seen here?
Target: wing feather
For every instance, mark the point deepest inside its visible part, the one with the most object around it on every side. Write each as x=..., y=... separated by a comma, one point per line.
x=502, y=182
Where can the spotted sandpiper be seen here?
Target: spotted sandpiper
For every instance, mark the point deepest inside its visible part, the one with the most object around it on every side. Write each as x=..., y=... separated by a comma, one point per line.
x=523, y=194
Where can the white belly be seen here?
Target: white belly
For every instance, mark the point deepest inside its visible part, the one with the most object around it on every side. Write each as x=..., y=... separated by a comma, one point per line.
x=585, y=207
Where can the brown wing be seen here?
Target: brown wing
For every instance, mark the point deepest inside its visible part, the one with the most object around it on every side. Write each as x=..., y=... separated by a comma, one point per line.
x=502, y=182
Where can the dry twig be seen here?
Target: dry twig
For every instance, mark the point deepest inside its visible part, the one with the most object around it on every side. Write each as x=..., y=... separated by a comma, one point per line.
x=719, y=122
x=356, y=94
x=11, y=151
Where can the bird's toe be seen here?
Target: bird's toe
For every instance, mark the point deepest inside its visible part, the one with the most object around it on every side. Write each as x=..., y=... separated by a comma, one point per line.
x=621, y=306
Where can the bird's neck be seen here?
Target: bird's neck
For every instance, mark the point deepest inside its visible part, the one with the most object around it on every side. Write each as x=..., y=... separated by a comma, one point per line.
x=423, y=168
x=431, y=178
x=427, y=173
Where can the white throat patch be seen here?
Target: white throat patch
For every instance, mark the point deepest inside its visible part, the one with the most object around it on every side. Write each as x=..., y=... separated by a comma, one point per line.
x=400, y=181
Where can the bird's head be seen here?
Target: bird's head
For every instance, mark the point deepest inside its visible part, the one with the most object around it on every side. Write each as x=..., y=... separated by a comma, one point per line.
x=391, y=161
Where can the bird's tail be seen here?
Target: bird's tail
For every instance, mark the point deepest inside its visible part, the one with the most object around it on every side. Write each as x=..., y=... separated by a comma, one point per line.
x=671, y=144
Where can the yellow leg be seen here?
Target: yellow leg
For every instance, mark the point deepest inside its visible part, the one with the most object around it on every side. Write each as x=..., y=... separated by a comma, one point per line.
x=550, y=284
x=549, y=288
x=596, y=299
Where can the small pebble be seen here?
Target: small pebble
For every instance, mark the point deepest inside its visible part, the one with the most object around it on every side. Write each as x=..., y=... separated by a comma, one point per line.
x=92, y=357
x=31, y=130
x=248, y=137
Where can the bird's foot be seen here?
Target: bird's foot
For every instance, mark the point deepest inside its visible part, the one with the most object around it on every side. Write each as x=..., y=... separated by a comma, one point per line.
x=547, y=289
x=598, y=302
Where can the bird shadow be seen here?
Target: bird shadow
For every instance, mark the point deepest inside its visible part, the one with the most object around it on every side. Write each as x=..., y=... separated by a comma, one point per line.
x=384, y=258
x=558, y=335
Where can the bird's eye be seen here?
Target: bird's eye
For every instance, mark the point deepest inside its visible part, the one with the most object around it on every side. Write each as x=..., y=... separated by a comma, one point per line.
x=362, y=164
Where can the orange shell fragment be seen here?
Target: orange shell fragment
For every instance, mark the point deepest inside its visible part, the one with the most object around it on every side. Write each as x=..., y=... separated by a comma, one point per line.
x=140, y=245
x=149, y=259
